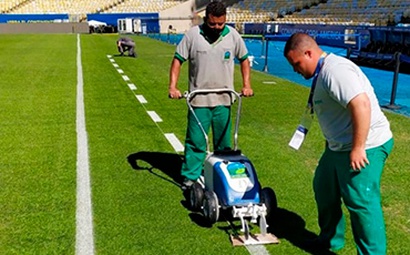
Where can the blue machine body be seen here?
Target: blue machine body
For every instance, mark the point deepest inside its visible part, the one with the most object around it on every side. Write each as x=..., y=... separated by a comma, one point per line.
x=233, y=178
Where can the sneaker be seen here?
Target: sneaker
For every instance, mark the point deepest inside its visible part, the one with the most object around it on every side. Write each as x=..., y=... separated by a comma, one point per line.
x=187, y=184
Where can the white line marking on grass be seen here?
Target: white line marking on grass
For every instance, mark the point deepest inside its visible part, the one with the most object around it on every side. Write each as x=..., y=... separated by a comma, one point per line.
x=175, y=143
x=141, y=98
x=172, y=139
x=269, y=82
x=257, y=249
x=109, y=56
x=84, y=244
x=178, y=147
x=132, y=86
x=154, y=116
x=112, y=60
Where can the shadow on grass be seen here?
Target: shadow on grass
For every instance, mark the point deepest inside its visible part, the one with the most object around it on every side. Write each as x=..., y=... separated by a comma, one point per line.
x=125, y=55
x=284, y=225
x=291, y=226
x=199, y=219
x=168, y=163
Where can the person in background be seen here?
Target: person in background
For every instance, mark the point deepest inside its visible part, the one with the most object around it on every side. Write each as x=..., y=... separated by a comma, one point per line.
x=125, y=44
x=358, y=142
x=210, y=50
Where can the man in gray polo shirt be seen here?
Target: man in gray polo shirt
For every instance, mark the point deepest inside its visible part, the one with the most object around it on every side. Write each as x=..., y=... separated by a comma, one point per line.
x=210, y=50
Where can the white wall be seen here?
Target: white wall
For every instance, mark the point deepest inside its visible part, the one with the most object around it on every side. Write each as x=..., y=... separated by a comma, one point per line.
x=180, y=17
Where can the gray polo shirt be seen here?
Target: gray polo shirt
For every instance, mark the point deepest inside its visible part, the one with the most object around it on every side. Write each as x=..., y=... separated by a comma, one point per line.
x=339, y=81
x=126, y=41
x=211, y=65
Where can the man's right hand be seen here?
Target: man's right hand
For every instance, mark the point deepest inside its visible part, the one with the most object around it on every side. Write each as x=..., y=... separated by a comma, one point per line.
x=247, y=92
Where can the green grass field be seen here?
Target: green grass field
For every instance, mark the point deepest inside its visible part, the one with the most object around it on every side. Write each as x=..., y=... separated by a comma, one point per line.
x=143, y=211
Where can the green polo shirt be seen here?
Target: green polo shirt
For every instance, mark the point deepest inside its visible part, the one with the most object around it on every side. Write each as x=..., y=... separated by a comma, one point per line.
x=211, y=65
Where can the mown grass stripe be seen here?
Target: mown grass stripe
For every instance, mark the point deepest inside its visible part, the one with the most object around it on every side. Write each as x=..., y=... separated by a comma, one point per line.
x=84, y=232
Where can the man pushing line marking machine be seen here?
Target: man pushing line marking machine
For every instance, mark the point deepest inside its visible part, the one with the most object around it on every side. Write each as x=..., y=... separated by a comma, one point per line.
x=229, y=182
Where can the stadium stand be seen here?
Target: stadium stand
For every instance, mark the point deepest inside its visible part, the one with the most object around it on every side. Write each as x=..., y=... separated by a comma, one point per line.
x=356, y=12
x=353, y=12
x=253, y=11
x=82, y=7
x=59, y=6
x=137, y=6
x=330, y=12
x=9, y=5
x=382, y=43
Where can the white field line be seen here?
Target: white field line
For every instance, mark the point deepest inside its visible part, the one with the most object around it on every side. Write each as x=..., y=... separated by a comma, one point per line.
x=84, y=242
x=257, y=250
x=132, y=86
x=269, y=82
x=154, y=116
x=179, y=147
x=175, y=143
x=172, y=139
x=141, y=98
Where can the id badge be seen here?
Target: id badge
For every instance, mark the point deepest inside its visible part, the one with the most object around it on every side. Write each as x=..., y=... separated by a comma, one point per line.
x=302, y=130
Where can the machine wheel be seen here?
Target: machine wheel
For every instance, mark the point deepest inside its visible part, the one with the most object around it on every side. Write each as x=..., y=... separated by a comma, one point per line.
x=268, y=197
x=196, y=196
x=211, y=207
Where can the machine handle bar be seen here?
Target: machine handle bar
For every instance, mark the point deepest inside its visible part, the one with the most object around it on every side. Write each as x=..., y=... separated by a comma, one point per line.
x=190, y=95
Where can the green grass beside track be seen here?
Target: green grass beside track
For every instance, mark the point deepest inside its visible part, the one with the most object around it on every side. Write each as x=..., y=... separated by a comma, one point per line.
x=38, y=146
x=138, y=211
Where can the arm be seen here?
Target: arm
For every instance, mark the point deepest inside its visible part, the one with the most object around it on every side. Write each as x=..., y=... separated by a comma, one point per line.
x=246, y=81
x=173, y=91
x=360, y=111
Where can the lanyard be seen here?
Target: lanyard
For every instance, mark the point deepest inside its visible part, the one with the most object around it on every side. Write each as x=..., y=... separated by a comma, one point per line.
x=307, y=117
x=312, y=88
